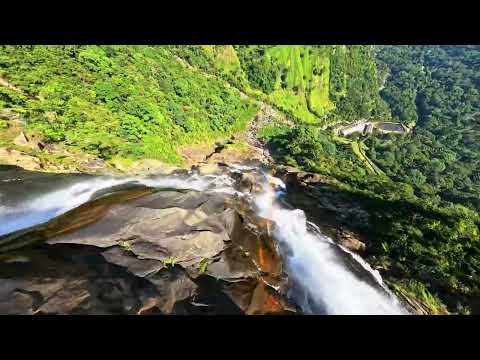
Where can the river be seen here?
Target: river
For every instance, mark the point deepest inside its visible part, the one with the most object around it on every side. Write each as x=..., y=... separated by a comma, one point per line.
x=323, y=279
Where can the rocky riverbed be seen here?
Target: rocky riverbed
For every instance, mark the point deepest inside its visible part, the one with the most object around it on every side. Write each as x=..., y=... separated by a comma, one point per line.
x=155, y=239
x=136, y=249
x=192, y=242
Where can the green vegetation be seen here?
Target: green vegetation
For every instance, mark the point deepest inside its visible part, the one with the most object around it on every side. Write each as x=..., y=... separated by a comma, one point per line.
x=313, y=84
x=320, y=83
x=128, y=101
x=421, y=191
x=315, y=150
x=436, y=87
x=202, y=266
x=270, y=131
x=435, y=243
x=358, y=149
x=125, y=245
x=169, y=262
x=260, y=68
x=219, y=60
x=354, y=84
x=131, y=102
x=423, y=218
x=429, y=302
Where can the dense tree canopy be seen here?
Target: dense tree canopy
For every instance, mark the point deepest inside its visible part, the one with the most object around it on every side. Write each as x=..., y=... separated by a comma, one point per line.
x=424, y=223
x=136, y=101
x=437, y=89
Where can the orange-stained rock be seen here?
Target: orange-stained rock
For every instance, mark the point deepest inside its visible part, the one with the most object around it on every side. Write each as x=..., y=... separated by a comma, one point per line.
x=266, y=301
x=138, y=251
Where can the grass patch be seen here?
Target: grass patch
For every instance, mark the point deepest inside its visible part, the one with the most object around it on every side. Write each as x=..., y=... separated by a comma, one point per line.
x=421, y=296
x=124, y=101
x=303, y=85
x=270, y=131
x=202, y=266
x=170, y=262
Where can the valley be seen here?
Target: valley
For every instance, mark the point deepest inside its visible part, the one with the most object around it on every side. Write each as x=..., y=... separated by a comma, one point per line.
x=92, y=137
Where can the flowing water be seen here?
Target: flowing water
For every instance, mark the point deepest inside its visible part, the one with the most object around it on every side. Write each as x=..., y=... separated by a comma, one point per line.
x=322, y=284
x=30, y=212
x=321, y=281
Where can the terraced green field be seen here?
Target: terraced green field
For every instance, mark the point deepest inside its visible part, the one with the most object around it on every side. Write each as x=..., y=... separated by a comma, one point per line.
x=302, y=86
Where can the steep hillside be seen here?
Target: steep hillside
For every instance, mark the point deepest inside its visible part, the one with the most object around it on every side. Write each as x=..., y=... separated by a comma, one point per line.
x=127, y=101
x=313, y=84
x=413, y=198
x=422, y=219
x=134, y=102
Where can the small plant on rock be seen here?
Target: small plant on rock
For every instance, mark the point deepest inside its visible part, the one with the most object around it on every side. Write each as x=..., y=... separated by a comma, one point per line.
x=125, y=246
x=202, y=267
x=169, y=262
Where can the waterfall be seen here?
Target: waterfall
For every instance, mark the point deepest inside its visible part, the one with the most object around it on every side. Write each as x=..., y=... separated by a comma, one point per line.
x=321, y=284
x=320, y=281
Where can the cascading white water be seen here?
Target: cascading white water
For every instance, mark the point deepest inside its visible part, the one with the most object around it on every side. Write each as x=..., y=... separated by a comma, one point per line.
x=321, y=283
x=52, y=204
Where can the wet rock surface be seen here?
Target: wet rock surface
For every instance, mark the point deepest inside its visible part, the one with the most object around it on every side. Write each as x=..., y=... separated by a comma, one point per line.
x=209, y=169
x=19, y=185
x=336, y=212
x=144, y=251
x=135, y=249
x=350, y=241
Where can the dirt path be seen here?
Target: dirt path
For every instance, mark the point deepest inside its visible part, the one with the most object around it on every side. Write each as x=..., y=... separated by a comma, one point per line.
x=5, y=83
x=8, y=85
x=357, y=148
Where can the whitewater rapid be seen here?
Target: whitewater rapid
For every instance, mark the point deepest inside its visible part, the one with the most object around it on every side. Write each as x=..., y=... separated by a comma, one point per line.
x=321, y=283
x=47, y=206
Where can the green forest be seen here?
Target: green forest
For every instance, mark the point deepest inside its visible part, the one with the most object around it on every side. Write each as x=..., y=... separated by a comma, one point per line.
x=424, y=213
x=116, y=100
x=436, y=88
x=312, y=84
